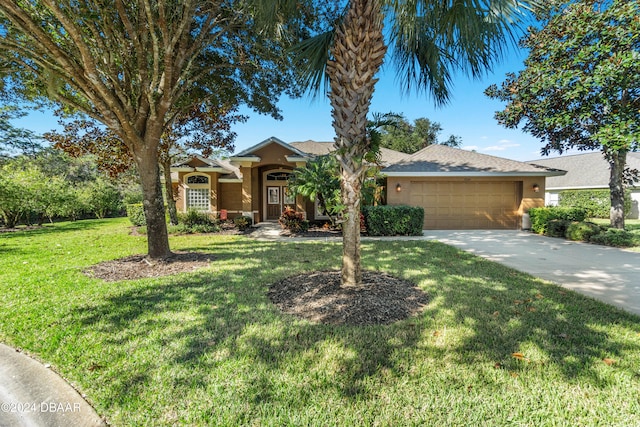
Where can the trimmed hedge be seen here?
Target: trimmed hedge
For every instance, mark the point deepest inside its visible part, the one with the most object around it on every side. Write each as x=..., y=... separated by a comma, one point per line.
x=597, y=203
x=540, y=217
x=393, y=220
x=617, y=238
x=135, y=213
x=582, y=231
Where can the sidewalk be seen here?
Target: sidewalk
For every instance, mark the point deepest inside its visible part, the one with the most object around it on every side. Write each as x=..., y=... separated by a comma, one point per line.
x=33, y=395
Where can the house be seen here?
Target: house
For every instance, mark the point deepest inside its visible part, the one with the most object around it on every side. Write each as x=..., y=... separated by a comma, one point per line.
x=457, y=188
x=252, y=182
x=462, y=189
x=589, y=171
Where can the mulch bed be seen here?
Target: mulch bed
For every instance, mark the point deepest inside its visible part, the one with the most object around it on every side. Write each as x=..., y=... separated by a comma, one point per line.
x=140, y=267
x=319, y=298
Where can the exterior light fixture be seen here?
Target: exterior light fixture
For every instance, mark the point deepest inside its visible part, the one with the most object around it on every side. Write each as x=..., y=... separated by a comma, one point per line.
x=536, y=188
x=398, y=187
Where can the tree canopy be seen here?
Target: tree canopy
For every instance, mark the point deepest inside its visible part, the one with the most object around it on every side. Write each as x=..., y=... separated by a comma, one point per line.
x=135, y=66
x=581, y=84
x=15, y=140
x=409, y=138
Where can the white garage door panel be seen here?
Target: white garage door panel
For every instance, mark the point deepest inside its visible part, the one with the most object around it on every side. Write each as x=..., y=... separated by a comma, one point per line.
x=467, y=205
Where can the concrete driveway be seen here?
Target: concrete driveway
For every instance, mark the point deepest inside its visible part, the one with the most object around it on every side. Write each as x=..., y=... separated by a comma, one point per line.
x=609, y=274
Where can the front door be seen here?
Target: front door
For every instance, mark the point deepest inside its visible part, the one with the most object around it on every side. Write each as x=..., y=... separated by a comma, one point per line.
x=277, y=196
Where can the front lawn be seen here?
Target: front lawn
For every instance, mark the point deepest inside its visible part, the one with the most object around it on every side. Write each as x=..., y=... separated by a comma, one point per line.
x=493, y=346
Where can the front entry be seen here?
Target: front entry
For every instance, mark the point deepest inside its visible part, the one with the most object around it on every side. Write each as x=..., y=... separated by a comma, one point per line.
x=276, y=194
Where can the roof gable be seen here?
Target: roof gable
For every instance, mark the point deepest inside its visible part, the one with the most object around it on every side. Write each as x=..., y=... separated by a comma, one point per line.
x=438, y=160
x=251, y=151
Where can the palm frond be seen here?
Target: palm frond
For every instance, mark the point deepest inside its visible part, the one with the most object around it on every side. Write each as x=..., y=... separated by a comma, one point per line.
x=433, y=40
x=311, y=56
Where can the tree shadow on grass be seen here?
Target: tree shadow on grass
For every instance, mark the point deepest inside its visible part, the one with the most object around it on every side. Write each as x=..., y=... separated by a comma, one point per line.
x=200, y=321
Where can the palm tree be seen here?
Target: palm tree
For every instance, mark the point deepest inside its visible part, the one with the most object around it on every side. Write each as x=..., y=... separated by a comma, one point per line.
x=428, y=40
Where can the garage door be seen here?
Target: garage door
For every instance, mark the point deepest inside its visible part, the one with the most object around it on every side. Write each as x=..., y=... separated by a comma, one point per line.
x=452, y=205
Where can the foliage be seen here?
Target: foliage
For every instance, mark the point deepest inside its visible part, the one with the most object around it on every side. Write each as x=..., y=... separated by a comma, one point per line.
x=616, y=237
x=582, y=231
x=243, y=222
x=102, y=198
x=14, y=141
x=557, y=228
x=135, y=213
x=393, y=220
x=597, y=203
x=409, y=138
x=319, y=179
x=540, y=217
x=138, y=67
x=581, y=85
x=293, y=221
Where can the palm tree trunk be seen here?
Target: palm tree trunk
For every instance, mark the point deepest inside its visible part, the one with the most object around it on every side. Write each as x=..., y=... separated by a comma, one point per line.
x=357, y=53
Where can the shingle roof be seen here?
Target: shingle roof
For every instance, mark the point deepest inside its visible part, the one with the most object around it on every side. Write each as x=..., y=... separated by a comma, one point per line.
x=589, y=170
x=439, y=160
x=320, y=148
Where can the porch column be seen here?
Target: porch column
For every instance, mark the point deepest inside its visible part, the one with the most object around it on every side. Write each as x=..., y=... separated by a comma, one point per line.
x=247, y=205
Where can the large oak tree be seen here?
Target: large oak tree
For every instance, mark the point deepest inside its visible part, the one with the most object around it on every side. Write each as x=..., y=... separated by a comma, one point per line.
x=134, y=66
x=581, y=85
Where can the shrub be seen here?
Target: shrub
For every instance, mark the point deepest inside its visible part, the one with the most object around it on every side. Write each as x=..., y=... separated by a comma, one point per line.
x=293, y=221
x=243, y=222
x=135, y=213
x=616, y=237
x=540, y=217
x=194, y=221
x=582, y=231
x=557, y=228
x=597, y=203
x=393, y=220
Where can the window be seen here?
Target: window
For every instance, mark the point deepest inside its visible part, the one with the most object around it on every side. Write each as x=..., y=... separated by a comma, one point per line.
x=197, y=179
x=197, y=192
x=198, y=198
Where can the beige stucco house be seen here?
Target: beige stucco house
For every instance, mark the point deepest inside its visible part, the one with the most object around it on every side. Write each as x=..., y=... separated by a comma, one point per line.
x=458, y=188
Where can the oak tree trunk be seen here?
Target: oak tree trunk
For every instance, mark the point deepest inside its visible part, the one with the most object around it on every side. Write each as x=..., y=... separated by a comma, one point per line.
x=358, y=52
x=617, y=162
x=157, y=237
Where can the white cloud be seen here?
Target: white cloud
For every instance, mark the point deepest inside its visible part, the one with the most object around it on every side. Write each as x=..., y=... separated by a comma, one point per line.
x=500, y=147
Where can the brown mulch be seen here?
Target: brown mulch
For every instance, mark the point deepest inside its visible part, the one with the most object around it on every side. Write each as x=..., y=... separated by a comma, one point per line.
x=318, y=297
x=140, y=267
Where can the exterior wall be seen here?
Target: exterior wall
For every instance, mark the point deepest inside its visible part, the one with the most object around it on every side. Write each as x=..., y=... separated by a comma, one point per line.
x=231, y=198
x=528, y=198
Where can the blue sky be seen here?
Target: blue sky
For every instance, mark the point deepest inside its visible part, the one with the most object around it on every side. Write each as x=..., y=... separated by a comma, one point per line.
x=469, y=115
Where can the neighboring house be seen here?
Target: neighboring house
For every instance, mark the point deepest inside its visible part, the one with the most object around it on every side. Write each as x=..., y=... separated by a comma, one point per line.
x=462, y=189
x=459, y=189
x=252, y=182
x=588, y=171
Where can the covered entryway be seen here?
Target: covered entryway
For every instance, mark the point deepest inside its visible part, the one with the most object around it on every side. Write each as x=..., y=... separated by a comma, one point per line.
x=450, y=205
x=276, y=194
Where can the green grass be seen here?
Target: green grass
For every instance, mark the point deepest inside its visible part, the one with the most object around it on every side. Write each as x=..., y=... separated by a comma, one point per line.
x=208, y=348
